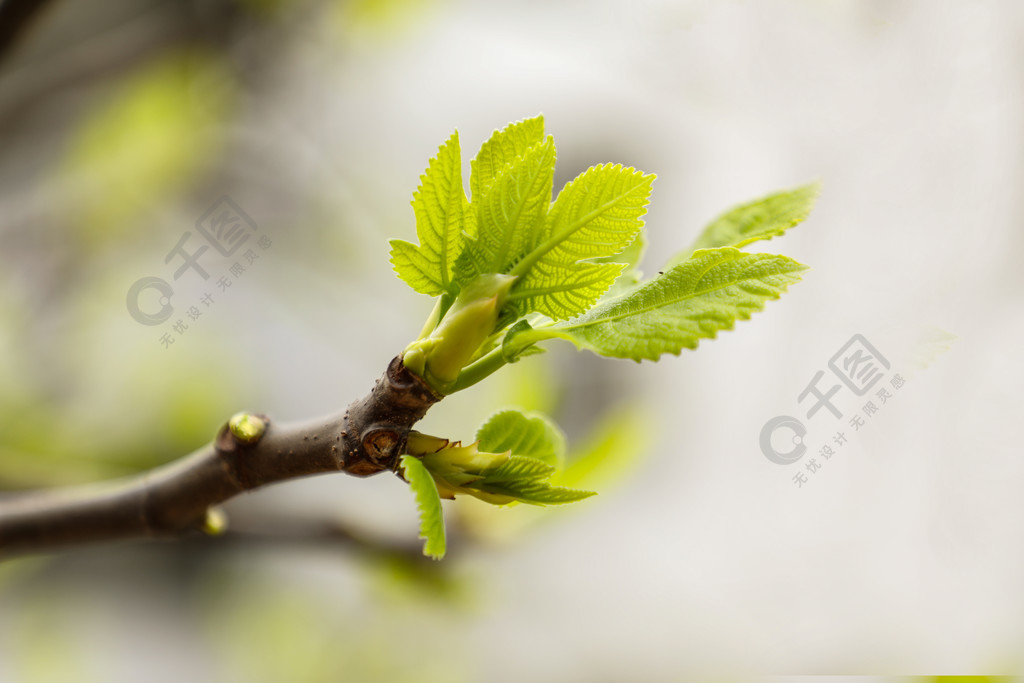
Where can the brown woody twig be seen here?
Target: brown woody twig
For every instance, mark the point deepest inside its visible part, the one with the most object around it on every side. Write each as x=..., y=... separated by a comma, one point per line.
x=369, y=437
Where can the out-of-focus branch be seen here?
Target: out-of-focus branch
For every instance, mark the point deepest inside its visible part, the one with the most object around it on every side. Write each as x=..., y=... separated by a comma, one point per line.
x=295, y=532
x=367, y=438
x=16, y=17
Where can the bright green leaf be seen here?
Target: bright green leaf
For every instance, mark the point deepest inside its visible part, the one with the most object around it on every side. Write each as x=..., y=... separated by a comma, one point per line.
x=429, y=503
x=561, y=291
x=690, y=302
x=518, y=468
x=511, y=213
x=503, y=147
x=512, y=460
x=524, y=434
x=597, y=215
x=442, y=218
x=531, y=491
x=761, y=219
x=416, y=268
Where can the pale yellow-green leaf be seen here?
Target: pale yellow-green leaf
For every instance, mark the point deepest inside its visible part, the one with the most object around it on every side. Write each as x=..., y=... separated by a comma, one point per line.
x=561, y=291
x=443, y=219
x=510, y=214
x=429, y=504
x=596, y=216
x=761, y=219
x=529, y=434
x=690, y=302
x=503, y=147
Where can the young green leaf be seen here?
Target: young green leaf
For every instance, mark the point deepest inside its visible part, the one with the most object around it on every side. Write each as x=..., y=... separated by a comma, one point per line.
x=442, y=217
x=597, y=215
x=510, y=213
x=562, y=291
x=523, y=479
x=518, y=468
x=512, y=460
x=496, y=478
x=761, y=219
x=429, y=503
x=528, y=434
x=503, y=147
x=690, y=302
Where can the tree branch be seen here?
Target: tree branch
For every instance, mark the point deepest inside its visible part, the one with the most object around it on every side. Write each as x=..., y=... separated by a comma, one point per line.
x=369, y=437
x=313, y=533
x=16, y=16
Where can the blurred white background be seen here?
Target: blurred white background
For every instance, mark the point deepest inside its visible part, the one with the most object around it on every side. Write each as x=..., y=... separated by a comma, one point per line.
x=902, y=554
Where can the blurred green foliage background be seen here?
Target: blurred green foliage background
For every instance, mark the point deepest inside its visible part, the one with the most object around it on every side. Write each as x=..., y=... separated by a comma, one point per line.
x=155, y=112
x=122, y=122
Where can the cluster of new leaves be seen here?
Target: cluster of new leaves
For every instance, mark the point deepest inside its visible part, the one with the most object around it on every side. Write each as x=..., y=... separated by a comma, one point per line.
x=512, y=268
x=511, y=225
x=701, y=291
x=512, y=459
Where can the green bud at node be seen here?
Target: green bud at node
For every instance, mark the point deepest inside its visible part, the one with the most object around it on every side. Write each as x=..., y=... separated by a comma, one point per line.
x=465, y=327
x=216, y=522
x=420, y=444
x=246, y=427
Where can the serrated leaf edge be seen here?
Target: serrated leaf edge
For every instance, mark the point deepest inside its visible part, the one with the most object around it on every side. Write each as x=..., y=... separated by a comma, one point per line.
x=428, y=503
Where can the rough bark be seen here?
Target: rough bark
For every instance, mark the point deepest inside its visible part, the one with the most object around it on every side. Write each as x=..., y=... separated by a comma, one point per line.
x=369, y=437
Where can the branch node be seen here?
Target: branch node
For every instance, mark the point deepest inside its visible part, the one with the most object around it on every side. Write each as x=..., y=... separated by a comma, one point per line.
x=216, y=522
x=248, y=428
